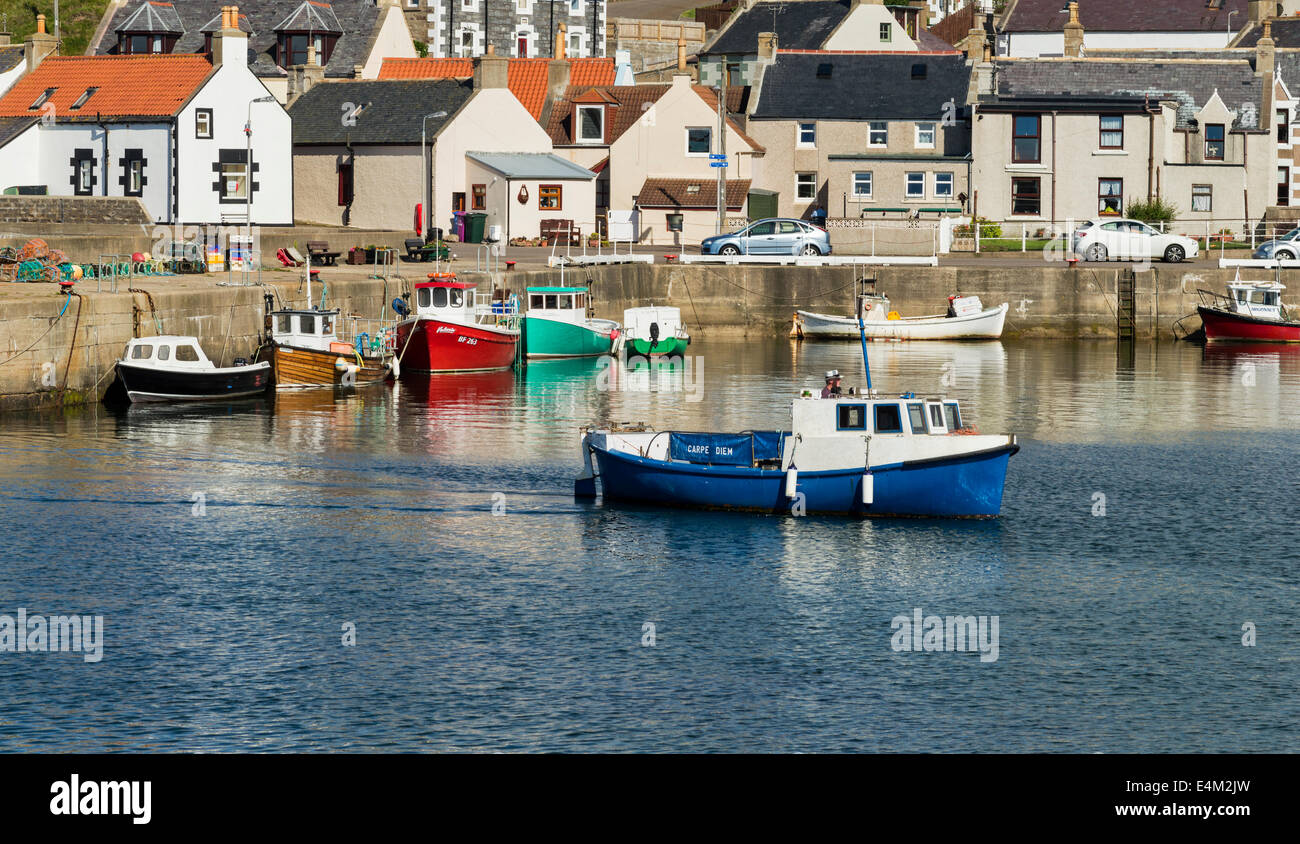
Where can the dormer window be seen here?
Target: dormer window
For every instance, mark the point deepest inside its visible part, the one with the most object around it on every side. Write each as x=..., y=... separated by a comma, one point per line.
x=152, y=28
x=145, y=43
x=42, y=99
x=590, y=124
x=310, y=24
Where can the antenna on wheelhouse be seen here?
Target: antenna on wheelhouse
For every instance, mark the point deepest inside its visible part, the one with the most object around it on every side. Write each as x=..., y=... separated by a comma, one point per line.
x=862, y=329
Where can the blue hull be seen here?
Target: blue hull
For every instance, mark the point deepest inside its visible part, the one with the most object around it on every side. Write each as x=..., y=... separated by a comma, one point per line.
x=968, y=486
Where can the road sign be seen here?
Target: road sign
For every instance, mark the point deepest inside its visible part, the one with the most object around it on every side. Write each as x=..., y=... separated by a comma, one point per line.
x=717, y=156
x=717, y=164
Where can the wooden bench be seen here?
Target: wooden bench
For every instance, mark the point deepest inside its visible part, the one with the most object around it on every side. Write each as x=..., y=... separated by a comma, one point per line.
x=561, y=231
x=320, y=253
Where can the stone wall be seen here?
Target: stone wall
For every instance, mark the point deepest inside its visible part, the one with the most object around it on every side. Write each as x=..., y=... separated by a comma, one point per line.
x=73, y=209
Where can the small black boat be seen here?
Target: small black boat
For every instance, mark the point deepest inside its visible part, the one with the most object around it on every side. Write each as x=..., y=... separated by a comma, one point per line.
x=173, y=368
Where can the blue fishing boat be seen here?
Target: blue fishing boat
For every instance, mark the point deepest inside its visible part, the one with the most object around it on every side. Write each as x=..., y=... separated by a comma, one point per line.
x=861, y=453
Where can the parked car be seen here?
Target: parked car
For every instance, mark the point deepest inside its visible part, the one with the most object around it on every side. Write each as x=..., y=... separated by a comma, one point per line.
x=775, y=236
x=1284, y=248
x=1101, y=240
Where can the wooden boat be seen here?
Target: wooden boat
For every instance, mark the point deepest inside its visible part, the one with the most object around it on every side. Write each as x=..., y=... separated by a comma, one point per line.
x=1251, y=312
x=455, y=329
x=655, y=330
x=966, y=319
x=173, y=368
x=304, y=349
x=557, y=325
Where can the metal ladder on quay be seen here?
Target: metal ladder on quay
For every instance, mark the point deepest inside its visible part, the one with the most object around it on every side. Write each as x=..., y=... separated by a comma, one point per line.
x=1126, y=306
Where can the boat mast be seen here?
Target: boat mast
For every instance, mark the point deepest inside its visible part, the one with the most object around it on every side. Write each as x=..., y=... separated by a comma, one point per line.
x=862, y=332
x=308, y=264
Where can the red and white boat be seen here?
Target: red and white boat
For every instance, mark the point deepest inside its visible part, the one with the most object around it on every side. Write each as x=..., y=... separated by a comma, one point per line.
x=455, y=329
x=1252, y=311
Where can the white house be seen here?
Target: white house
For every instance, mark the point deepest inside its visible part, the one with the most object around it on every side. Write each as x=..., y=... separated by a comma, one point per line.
x=167, y=128
x=1037, y=27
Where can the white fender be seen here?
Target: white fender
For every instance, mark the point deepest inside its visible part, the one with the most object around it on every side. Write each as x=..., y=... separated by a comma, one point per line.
x=791, y=482
x=868, y=488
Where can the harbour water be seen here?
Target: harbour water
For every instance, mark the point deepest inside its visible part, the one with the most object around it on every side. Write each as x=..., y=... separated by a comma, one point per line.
x=1150, y=514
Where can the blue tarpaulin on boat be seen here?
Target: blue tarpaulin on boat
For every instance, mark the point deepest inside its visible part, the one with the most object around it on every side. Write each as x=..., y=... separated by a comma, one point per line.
x=768, y=444
x=724, y=449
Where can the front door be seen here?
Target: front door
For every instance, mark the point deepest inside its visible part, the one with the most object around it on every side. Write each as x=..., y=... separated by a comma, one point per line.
x=1284, y=186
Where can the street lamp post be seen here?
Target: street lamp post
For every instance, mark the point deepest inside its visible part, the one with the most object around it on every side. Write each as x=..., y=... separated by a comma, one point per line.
x=248, y=180
x=426, y=196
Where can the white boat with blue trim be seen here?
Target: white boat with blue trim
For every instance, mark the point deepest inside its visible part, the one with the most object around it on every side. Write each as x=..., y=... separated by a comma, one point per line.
x=861, y=454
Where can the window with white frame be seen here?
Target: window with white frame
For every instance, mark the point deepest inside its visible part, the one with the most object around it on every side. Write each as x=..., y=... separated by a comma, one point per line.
x=805, y=185
x=1202, y=198
x=575, y=7
x=467, y=42
x=915, y=185
x=943, y=183
x=699, y=140
x=575, y=45
x=590, y=124
x=862, y=185
x=877, y=133
x=807, y=134
x=925, y=136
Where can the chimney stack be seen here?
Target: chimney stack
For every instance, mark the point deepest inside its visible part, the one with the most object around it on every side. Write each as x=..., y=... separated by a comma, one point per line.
x=767, y=45
x=302, y=77
x=975, y=41
x=38, y=45
x=1265, y=66
x=1073, y=33
x=231, y=43
x=493, y=71
x=1260, y=10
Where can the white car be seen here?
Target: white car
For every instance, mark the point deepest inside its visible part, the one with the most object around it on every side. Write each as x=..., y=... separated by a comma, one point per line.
x=1102, y=240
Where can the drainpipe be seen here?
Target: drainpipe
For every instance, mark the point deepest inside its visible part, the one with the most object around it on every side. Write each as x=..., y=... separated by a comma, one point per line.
x=103, y=171
x=1053, y=168
x=1151, y=149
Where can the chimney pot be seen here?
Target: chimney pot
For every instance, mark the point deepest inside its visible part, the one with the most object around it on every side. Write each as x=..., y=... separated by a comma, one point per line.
x=560, y=48
x=491, y=49
x=40, y=24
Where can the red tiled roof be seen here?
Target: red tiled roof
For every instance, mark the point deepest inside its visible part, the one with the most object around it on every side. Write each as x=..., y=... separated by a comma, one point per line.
x=677, y=193
x=129, y=86
x=630, y=103
x=526, y=77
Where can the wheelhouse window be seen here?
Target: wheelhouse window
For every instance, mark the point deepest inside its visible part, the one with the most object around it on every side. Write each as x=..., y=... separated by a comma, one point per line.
x=862, y=185
x=1026, y=197
x=1202, y=197
x=851, y=417
x=203, y=123
x=549, y=197
x=1025, y=144
x=878, y=133
x=306, y=324
x=1214, y=141
x=699, y=140
x=187, y=353
x=889, y=419
x=805, y=185
x=591, y=124
x=916, y=416
x=142, y=352
x=165, y=353
x=1110, y=131
x=952, y=415
x=1110, y=196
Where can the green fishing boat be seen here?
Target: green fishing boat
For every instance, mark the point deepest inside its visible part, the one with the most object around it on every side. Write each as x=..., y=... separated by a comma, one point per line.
x=655, y=331
x=557, y=325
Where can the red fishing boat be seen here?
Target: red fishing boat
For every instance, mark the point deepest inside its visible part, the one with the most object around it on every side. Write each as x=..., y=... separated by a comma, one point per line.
x=455, y=329
x=1252, y=311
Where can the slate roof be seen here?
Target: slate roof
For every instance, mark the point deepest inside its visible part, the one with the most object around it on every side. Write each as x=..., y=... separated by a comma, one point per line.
x=391, y=111
x=311, y=16
x=531, y=165
x=1126, y=16
x=153, y=17
x=1189, y=83
x=677, y=193
x=803, y=25
x=354, y=19
x=12, y=127
x=129, y=86
x=525, y=77
x=793, y=89
x=630, y=102
x=1285, y=33
x=10, y=57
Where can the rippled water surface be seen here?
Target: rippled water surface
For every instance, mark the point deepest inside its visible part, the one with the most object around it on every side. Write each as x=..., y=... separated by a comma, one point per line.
x=522, y=629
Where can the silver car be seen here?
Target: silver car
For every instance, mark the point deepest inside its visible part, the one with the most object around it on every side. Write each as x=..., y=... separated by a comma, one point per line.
x=1284, y=248
x=774, y=236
